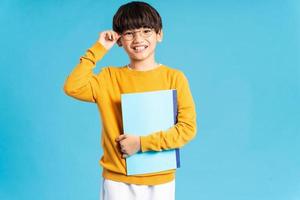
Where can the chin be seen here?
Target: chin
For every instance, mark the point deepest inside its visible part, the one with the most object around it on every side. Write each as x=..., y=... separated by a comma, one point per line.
x=139, y=57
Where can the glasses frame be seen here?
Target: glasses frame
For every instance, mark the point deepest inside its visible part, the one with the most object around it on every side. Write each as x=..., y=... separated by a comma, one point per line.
x=134, y=34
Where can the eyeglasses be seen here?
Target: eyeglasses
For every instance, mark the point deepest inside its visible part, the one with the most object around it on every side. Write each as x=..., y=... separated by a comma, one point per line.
x=145, y=33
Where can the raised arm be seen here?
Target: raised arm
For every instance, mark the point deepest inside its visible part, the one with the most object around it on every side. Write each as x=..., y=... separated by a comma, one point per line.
x=82, y=83
x=183, y=131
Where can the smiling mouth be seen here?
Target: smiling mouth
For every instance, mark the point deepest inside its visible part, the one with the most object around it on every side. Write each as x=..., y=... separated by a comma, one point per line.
x=138, y=49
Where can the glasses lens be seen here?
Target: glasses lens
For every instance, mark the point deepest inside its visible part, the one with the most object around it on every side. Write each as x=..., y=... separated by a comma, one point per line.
x=129, y=35
x=146, y=32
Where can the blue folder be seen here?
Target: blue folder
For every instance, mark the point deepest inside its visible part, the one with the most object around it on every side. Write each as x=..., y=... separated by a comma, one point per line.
x=144, y=113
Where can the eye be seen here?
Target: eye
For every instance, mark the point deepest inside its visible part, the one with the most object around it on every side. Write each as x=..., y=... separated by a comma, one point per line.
x=147, y=30
x=128, y=33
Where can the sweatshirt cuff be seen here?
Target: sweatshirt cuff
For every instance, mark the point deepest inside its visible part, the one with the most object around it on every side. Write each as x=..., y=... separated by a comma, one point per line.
x=144, y=142
x=98, y=50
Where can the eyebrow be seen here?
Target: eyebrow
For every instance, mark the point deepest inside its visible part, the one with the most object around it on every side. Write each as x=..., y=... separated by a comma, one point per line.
x=132, y=30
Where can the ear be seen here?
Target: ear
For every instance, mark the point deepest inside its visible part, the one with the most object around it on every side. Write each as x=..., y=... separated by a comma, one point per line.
x=119, y=42
x=160, y=36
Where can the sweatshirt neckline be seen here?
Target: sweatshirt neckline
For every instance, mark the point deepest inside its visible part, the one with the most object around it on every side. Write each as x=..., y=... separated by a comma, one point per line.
x=142, y=73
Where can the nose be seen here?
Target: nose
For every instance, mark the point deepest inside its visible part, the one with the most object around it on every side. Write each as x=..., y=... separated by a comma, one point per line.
x=137, y=36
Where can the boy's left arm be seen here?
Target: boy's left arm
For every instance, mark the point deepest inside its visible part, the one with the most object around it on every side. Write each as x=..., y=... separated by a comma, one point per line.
x=183, y=131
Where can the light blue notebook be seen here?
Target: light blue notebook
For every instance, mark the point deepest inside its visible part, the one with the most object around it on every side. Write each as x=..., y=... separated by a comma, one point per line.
x=144, y=113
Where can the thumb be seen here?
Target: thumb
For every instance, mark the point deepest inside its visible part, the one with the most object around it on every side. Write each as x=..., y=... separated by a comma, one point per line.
x=121, y=137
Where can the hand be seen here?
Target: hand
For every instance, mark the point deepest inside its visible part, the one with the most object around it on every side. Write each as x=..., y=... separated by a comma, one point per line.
x=129, y=144
x=108, y=38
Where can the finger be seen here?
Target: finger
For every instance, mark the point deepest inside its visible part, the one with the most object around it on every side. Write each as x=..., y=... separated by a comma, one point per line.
x=122, y=145
x=112, y=37
x=121, y=137
x=118, y=138
x=124, y=150
x=106, y=36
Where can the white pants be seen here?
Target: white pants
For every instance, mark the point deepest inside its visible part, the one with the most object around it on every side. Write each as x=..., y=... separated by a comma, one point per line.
x=113, y=190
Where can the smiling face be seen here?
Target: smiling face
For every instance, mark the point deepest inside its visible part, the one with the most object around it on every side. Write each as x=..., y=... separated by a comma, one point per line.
x=140, y=43
x=133, y=21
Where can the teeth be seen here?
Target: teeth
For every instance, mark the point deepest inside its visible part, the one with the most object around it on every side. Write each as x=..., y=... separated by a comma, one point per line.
x=139, y=48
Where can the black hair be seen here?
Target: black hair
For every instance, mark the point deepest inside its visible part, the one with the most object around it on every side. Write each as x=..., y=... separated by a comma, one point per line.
x=134, y=15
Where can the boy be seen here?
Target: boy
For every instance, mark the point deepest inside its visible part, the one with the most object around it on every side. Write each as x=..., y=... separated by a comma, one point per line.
x=137, y=27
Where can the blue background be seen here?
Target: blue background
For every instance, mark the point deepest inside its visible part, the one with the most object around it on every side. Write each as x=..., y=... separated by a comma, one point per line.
x=242, y=61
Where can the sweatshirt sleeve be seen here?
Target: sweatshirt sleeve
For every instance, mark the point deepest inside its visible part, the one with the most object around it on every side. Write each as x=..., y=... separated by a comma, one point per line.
x=183, y=131
x=82, y=83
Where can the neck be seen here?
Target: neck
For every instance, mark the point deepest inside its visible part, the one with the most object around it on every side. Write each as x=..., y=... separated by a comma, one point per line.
x=143, y=65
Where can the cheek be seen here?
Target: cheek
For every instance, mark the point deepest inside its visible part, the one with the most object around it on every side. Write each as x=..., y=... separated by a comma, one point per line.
x=152, y=45
x=125, y=45
x=127, y=48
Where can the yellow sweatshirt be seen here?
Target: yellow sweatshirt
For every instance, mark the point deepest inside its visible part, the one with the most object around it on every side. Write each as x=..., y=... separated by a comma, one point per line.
x=105, y=89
